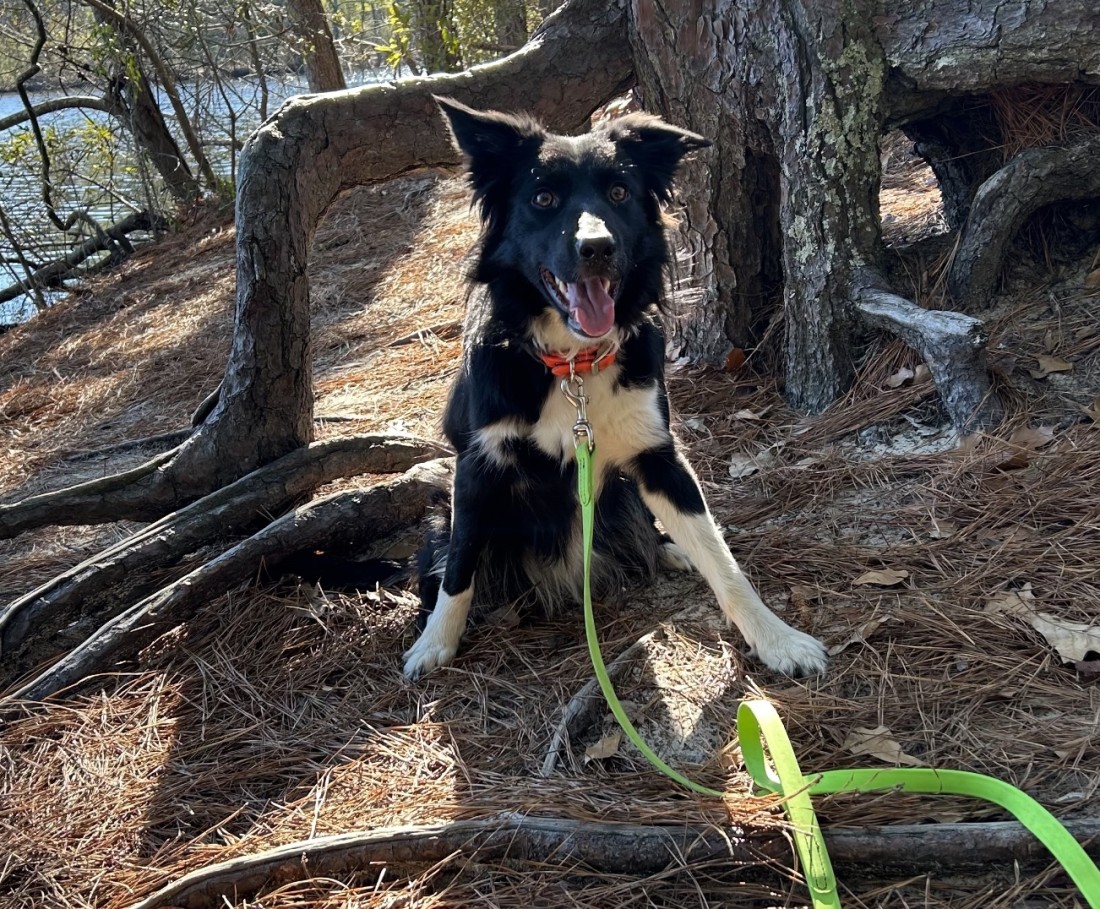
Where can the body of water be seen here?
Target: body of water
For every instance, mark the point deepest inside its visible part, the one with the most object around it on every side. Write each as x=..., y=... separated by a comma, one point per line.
x=110, y=192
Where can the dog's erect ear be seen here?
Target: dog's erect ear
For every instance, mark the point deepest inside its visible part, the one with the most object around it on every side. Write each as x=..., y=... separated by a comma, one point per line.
x=492, y=142
x=655, y=147
x=487, y=133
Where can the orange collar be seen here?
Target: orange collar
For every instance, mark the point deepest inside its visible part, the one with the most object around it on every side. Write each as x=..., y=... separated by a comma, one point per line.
x=586, y=361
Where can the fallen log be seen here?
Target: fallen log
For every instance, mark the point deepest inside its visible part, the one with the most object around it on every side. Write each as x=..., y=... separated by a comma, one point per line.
x=112, y=238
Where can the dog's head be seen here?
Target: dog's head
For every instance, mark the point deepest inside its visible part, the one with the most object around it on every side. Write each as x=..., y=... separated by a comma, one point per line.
x=578, y=217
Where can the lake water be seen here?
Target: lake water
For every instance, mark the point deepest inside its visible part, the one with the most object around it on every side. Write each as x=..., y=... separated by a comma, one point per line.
x=106, y=196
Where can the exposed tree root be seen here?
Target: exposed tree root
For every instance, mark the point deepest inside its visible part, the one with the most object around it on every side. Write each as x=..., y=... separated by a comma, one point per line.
x=582, y=708
x=230, y=510
x=138, y=494
x=603, y=847
x=952, y=344
x=347, y=518
x=1029, y=181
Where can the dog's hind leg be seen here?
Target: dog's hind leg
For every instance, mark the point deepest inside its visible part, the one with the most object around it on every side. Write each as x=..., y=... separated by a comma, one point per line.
x=672, y=492
x=673, y=557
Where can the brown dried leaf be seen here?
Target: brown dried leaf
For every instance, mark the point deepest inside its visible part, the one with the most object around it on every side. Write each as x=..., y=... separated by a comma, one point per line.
x=1074, y=641
x=882, y=577
x=1025, y=441
x=745, y=465
x=861, y=634
x=877, y=743
x=1093, y=411
x=1049, y=364
x=1092, y=279
x=606, y=747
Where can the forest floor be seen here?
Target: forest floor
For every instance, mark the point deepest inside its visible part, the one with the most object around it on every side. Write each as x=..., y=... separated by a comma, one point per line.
x=279, y=713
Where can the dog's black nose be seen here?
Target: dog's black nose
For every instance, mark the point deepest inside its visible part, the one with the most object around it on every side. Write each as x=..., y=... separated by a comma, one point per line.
x=598, y=247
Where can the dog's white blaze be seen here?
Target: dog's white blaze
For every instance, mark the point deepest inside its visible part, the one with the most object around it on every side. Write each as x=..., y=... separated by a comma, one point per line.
x=438, y=643
x=775, y=643
x=625, y=422
x=589, y=226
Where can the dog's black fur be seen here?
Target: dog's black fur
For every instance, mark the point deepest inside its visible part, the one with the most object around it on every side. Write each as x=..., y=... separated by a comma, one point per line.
x=572, y=256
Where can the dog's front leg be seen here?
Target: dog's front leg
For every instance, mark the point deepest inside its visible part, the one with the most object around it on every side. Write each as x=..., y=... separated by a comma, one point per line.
x=438, y=643
x=671, y=491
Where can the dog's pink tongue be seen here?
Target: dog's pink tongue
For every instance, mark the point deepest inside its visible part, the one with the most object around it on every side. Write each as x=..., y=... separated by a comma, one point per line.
x=592, y=306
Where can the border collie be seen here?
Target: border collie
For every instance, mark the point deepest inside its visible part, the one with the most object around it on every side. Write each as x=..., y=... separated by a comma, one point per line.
x=568, y=281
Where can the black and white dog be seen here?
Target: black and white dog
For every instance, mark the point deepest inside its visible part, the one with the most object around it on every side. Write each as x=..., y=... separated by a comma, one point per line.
x=571, y=269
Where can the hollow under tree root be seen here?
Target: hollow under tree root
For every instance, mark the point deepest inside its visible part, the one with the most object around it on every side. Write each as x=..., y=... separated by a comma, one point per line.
x=1034, y=178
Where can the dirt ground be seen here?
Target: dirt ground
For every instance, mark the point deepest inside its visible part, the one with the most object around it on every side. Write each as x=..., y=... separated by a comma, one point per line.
x=279, y=713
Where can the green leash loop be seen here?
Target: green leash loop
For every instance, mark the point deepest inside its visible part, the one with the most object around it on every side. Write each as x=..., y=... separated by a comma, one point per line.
x=758, y=725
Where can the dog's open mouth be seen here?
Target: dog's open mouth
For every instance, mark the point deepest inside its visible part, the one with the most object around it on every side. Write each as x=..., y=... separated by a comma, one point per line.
x=589, y=303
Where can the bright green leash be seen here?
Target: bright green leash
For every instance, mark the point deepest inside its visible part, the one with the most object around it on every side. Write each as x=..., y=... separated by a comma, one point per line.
x=758, y=725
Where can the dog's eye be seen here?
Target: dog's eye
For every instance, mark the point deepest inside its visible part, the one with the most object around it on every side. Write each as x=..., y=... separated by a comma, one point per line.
x=618, y=193
x=543, y=199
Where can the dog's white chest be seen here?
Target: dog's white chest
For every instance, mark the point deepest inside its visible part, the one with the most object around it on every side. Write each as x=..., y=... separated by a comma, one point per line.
x=625, y=421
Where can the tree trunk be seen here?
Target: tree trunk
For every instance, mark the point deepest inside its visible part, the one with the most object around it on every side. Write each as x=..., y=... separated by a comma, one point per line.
x=133, y=104
x=791, y=95
x=509, y=22
x=319, y=51
x=434, y=34
x=795, y=95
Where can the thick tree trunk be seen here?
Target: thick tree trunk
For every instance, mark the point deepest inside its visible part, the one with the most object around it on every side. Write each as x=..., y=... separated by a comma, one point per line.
x=792, y=95
x=319, y=50
x=795, y=95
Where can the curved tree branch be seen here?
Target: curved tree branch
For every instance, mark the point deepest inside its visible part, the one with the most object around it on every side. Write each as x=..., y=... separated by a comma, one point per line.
x=53, y=105
x=952, y=344
x=1034, y=178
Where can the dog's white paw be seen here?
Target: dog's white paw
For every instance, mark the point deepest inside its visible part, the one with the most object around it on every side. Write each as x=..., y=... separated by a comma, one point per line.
x=674, y=558
x=431, y=650
x=790, y=651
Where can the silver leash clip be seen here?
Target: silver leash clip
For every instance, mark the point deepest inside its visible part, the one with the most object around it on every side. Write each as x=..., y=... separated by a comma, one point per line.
x=573, y=388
